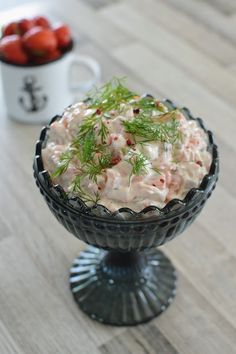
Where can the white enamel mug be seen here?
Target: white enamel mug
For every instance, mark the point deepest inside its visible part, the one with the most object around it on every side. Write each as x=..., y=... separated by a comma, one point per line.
x=34, y=94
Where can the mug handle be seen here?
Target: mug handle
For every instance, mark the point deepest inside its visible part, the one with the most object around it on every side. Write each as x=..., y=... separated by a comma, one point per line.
x=93, y=67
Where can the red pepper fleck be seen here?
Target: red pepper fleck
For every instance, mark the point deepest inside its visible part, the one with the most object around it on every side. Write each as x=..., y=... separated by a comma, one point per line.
x=128, y=142
x=98, y=111
x=115, y=160
x=136, y=110
x=116, y=138
x=162, y=180
x=99, y=188
x=199, y=163
x=154, y=185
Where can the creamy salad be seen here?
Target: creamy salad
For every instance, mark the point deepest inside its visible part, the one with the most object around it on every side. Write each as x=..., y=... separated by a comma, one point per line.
x=122, y=150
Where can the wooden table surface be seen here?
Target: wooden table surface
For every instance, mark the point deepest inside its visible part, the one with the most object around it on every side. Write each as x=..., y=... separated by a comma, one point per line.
x=181, y=49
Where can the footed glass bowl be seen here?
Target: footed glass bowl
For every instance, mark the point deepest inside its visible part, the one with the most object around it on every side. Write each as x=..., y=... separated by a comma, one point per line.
x=121, y=278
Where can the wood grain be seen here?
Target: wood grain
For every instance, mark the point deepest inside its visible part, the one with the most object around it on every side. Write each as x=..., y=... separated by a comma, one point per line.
x=199, y=37
x=145, y=339
x=183, y=50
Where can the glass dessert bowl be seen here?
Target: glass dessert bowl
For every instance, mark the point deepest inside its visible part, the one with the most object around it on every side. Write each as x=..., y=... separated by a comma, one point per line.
x=121, y=278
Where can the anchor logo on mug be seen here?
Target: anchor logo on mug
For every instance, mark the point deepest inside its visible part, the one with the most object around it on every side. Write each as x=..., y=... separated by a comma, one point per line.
x=32, y=100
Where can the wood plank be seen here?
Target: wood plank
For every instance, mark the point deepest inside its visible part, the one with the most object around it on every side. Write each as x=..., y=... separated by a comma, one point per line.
x=97, y=4
x=192, y=323
x=4, y=228
x=172, y=48
x=7, y=343
x=145, y=339
x=210, y=268
x=227, y=167
x=232, y=69
x=87, y=19
x=201, y=38
x=219, y=216
x=208, y=16
x=227, y=7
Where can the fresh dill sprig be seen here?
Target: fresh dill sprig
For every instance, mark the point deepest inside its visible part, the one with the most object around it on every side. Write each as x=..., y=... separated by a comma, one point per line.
x=64, y=162
x=93, y=169
x=149, y=104
x=110, y=96
x=103, y=131
x=85, y=196
x=139, y=164
x=87, y=147
x=145, y=127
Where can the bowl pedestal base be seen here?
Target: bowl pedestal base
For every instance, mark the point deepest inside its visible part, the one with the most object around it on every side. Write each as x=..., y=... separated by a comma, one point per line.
x=122, y=288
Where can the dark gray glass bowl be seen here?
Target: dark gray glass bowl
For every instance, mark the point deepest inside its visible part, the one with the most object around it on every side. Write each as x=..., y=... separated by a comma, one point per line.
x=121, y=278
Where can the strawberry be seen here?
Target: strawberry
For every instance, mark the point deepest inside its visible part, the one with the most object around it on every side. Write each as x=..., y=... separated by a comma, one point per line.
x=53, y=55
x=11, y=28
x=41, y=21
x=47, y=58
x=11, y=50
x=25, y=25
x=39, y=41
x=63, y=35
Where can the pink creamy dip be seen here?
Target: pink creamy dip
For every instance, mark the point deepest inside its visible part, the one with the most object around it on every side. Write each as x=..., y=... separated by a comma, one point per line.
x=171, y=170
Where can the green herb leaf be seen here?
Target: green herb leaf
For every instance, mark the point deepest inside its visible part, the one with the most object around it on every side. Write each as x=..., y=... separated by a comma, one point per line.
x=88, y=147
x=85, y=196
x=138, y=162
x=64, y=162
x=110, y=96
x=94, y=169
x=145, y=127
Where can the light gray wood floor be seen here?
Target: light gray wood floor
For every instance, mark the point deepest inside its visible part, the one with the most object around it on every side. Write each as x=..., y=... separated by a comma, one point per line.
x=181, y=49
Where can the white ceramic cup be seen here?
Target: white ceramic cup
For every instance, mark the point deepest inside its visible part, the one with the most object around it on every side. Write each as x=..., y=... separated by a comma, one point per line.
x=34, y=94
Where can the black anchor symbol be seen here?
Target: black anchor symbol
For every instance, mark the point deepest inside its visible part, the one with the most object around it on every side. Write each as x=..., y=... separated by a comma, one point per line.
x=36, y=103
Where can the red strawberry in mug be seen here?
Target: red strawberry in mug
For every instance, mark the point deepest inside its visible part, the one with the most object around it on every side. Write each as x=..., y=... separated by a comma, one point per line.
x=39, y=41
x=41, y=21
x=11, y=28
x=47, y=58
x=11, y=49
x=63, y=35
x=25, y=25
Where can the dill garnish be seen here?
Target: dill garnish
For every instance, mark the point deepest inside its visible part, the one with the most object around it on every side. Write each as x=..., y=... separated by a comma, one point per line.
x=139, y=164
x=64, y=162
x=93, y=169
x=145, y=127
x=84, y=195
x=87, y=148
x=102, y=131
x=110, y=96
x=149, y=104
